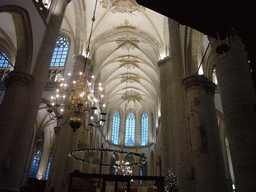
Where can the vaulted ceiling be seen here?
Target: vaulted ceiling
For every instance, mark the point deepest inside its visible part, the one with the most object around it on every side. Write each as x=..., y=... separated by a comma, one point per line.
x=127, y=42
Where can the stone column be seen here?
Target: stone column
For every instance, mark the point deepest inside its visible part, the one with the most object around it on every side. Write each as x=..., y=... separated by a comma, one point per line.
x=164, y=129
x=27, y=116
x=194, y=43
x=178, y=137
x=68, y=141
x=207, y=159
x=54, y=161
x=81, y=64
x=238, y=97
x=12, y=108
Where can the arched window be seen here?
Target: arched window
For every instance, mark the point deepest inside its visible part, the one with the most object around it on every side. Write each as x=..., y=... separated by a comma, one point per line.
x=60, y=52
x=116, y=128
x=144, y=129
x=130, y=130
x=48, y=167
x=35, y=164
x=4, y=61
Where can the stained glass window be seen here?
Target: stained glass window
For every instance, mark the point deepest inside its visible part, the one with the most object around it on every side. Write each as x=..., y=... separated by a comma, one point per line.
x=60, y=52
x=144, y=129
x=116, y=128
x=35, y=164
x=48, y=167
x=130, y=130
x=4, y=61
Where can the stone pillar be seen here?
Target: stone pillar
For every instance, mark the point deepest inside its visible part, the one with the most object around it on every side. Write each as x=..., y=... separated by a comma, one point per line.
x=54, y=152
x=27, y=116
x=67, y=142
x=238, y=97
x=194, y=43
x=208, y=171
x=180, y=128
x=164, y=129
x=81, y=64
x=12, y=108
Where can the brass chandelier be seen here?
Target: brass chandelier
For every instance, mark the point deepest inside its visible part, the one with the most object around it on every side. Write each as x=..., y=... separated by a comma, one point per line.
x=76, y=100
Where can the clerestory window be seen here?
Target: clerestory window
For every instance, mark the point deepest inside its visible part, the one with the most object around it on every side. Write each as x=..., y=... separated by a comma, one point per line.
x=130, y=130
x=60, y=52
x=144, y=129
x=116, y=128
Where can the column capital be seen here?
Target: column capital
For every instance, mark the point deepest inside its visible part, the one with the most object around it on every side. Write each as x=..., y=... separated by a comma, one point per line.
x=199, y=81
x=163, y=61
x=18, y=77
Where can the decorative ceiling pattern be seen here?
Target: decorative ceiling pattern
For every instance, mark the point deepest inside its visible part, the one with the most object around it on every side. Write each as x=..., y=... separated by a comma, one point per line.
x=130, y=77
x=126, y=43
x=129, y=62
x=131, y=96
x=121, y=6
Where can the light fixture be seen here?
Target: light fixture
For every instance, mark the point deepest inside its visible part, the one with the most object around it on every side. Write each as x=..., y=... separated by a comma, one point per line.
x=77, y=100
x=224, y=47
x=141, y=157
x=123, y=168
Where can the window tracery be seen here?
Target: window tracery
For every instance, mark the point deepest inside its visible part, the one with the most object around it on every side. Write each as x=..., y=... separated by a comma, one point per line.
x=116, y=128
x=35, y=164
x=144, y=129
x=130, y=130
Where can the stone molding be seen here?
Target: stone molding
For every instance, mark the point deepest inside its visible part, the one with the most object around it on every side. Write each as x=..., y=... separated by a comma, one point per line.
x=18, y=77
x=163, y=61
x=199, y=81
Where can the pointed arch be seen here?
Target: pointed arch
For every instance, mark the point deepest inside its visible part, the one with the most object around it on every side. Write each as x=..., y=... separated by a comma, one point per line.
x=24, y=36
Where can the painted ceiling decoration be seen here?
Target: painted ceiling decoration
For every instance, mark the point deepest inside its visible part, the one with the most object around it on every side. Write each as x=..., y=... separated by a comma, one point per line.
x=126, y=38
x=130, y=78
x=126, y=25
x=127, y=42
x=129, y=62
x=131, y=96
x=121, y=6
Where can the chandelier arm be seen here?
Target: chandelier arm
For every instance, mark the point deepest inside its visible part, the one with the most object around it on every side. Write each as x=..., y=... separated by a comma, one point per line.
x=52, y=117
x=85, y=126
